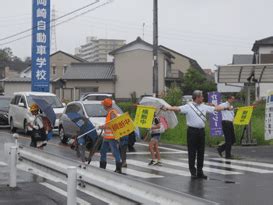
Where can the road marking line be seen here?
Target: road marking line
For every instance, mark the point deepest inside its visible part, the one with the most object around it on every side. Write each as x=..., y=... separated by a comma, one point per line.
x=145, y=153
x=129, y=171
x=207, y=169
x=62, y=192
x=165, y=148
x=260, y=164
x=3, y=164
x=157, y=168
x=232, y=166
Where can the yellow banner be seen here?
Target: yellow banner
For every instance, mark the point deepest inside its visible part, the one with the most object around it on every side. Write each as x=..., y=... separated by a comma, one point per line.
x=122, y=125
x=243, y=115
x=144, y=116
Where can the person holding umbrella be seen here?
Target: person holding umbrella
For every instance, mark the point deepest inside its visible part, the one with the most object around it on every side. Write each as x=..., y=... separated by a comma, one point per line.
x=196, y=117
x=38, y=134
x=109, y=138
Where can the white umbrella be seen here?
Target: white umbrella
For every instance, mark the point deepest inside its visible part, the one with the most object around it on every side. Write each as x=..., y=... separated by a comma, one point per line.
x=159, y=103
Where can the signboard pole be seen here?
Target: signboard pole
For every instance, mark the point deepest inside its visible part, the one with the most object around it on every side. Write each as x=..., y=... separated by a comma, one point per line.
x=247, y=138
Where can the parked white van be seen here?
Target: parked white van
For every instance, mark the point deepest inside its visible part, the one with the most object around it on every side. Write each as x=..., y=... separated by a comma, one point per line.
x=19, y=114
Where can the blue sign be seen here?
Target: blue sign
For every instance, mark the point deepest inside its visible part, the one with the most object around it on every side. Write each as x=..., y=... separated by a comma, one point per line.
x=40, y=46
x=216, y=117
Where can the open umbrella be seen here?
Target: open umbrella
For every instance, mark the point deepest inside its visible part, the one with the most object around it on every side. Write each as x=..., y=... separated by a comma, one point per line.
x=83, y=125
x=46, y=108
x=86, y=134
x=169, y=116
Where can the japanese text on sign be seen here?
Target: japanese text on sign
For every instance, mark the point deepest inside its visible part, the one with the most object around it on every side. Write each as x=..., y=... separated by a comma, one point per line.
x=121, y=126
x=243, y=115
x=144, y=116
x=40, y=46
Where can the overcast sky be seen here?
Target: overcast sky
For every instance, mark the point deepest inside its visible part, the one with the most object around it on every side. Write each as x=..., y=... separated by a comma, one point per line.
x=210, y=31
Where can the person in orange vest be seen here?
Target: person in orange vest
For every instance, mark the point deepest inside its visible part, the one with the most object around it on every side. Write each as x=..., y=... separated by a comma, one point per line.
x=109, y=138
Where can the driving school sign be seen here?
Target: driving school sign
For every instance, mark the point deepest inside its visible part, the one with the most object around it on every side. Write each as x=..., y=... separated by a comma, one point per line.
x=243, y=115
x=144, y=116
x=122, y=125
x=40, y=45
x=216, y=117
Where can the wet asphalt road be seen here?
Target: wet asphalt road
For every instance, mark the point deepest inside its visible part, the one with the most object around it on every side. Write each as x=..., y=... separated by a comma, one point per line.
x=230, y=182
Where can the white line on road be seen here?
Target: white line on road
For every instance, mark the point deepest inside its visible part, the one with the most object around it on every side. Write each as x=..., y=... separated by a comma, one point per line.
x=260, y=164
x=232, y=166
x=165, y=148
x=3, y=164
x=157, y=168
x=64, y=193
x=145, y=153
x=207, y=169
x=129, y=171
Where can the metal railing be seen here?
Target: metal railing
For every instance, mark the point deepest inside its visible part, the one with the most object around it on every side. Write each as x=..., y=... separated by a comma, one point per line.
x=116, y=188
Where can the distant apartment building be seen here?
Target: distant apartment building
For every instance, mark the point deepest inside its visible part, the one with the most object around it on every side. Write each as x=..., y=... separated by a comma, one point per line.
x=97, y=50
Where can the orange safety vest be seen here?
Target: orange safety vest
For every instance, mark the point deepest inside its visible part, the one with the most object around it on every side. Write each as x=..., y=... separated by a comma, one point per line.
x=108, y=134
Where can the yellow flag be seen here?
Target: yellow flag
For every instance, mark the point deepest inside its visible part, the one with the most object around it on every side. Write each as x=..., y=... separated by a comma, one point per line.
x=243, y=115
x=122, y=125
x=144, y=116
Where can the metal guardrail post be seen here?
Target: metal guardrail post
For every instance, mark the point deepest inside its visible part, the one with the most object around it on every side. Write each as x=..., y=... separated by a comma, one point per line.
x=13, y=169
x=72, y=185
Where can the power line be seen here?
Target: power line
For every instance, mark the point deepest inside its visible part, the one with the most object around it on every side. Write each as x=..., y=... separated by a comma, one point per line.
x=67, y=14
x=26, y=36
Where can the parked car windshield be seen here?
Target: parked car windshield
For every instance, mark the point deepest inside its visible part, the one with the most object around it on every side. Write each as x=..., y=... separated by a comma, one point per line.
x=52, y=100
x=97, y=110
x=4, y=102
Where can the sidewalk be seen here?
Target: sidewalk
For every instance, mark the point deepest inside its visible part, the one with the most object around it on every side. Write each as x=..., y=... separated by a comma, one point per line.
x=30, y=194
x=28, y=190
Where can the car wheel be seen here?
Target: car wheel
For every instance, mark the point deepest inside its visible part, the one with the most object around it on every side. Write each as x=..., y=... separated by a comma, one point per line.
x=25, y=127
x=63, y=138
x=12, y=128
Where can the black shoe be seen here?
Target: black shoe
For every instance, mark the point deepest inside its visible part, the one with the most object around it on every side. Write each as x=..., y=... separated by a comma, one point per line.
x=103, y=164
x=202, y=176
x=219, y=152
x=152, y=162
x=118, y=167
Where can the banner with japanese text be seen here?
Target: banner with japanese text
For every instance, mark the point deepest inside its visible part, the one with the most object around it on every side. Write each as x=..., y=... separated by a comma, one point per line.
x=40, y=65
x=122, y=125
x=268, y=123
x=216, y=117
x=243, y=115
x=144, y=116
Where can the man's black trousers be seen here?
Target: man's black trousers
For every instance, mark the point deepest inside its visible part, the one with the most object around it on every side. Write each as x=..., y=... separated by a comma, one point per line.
x=229, y=134
x=196, y=146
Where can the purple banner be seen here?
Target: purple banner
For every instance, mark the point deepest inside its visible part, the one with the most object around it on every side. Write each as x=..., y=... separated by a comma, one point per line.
x=215, y=119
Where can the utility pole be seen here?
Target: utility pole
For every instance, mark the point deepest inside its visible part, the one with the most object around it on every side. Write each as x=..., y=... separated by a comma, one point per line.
x=155, y=49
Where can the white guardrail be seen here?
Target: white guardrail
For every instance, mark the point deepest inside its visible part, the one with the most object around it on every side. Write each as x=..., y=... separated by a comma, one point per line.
x=116, y=188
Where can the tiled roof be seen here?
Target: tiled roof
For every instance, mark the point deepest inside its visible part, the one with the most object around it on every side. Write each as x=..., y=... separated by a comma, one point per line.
x=263, y=42
x=89, y=71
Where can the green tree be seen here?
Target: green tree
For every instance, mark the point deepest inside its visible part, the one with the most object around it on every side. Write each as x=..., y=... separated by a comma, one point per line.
x=194, y=80
x=5, y=56
x=174, y=95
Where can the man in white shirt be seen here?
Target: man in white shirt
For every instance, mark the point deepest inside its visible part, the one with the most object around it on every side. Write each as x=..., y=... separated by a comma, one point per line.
x=196, y=117
x=227, y=126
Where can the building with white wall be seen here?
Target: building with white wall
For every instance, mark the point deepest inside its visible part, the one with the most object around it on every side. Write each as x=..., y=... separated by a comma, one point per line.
x=97, y=50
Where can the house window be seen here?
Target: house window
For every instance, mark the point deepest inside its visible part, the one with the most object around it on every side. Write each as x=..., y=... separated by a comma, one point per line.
x=64, y=69
x=54, y=69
